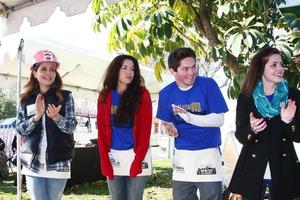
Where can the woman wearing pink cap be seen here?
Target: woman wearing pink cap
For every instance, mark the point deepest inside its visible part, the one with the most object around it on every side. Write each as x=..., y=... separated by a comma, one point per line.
x=46, y=121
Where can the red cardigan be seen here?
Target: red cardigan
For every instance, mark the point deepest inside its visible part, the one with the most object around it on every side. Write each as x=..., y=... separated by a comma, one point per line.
x=141, y=133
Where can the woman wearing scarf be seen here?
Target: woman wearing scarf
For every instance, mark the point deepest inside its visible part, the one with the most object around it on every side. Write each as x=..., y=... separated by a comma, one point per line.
x=267, y=124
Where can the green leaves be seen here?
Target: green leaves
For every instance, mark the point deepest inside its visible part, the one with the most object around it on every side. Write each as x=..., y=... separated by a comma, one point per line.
x=234, y=43
x=157, y=19
x=292, y=20
x=124, y=25
x=7, y=104
x=223, y=9
x=218, y=30
x=245, y=32
x=183, y=11
x=248, y=39
x=158, y=68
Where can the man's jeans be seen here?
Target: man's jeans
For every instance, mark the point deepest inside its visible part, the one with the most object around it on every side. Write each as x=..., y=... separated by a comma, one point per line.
x=126, y=188
x=188, y=190
x=40, y=188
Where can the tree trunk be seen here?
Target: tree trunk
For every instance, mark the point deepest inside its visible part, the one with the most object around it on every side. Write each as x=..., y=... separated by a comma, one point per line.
x=204, y=26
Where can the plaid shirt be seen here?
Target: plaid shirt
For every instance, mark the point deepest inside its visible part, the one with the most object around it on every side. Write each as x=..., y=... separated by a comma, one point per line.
x=66, y=124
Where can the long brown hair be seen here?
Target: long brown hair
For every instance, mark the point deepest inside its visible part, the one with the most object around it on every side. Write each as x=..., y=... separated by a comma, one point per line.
x=33, y=85
x=256, y=69
x=130, y=99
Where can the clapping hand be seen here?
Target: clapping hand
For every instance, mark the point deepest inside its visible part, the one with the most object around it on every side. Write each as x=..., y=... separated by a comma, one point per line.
x=178, y=109
x=236, y=197
x=170, y=129
x=53, y=112
x=288, y=111
x=40, y=107
x=257, y=124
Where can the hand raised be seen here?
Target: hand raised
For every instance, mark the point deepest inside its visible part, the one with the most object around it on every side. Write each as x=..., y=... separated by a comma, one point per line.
x=288, y=111
x=170, y=129
x=53, y=112
x=40, y=107
x=257, y=124
x=178, y=109
x=236, y=197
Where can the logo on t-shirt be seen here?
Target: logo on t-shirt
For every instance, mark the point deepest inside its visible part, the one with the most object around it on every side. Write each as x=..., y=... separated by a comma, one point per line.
x=206, y=171
x=145, y=165
x=179, y=168
x=113, y=109
x=113, y=157
x=193, y=107
x=127, y=124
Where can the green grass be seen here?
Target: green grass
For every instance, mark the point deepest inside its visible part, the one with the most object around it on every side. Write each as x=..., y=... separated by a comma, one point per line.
x=158, y=186
x=8, y=191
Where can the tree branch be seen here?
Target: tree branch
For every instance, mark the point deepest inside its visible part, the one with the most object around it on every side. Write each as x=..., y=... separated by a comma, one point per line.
x=204, y=26
x=205, y=20
x=198, y=19
x=232, y=62
x=191, y=39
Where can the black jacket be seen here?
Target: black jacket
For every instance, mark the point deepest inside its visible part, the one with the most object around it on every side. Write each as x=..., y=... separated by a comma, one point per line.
x=273, y=145
x=60, y=146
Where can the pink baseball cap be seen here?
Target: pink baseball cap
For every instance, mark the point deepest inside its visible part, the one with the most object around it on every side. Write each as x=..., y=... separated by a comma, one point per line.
x=45, y=56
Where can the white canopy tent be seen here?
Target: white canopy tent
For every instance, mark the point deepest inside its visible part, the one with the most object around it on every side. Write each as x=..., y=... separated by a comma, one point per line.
x=77, y=70
x=82, y=53
x=37, y=12
x=81, y=73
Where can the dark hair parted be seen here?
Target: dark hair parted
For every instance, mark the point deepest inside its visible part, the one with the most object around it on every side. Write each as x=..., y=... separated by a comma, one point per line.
x=130, y=99
x=177, y=55
x=33, y=86
x=256, y=69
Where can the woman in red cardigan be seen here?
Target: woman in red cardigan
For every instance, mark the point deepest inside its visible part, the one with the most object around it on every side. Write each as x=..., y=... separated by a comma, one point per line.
x=124, y=127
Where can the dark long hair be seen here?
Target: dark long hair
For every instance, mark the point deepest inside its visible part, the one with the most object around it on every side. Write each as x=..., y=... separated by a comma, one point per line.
x=33, y=85
x=256, y=69
x=130, y=99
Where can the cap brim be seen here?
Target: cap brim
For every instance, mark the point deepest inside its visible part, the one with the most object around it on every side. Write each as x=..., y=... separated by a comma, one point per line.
x=57, y=64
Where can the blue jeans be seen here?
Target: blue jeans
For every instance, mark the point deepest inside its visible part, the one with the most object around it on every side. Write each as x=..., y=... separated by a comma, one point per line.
x=126, y=188
x=45, y=188
x=188, y=190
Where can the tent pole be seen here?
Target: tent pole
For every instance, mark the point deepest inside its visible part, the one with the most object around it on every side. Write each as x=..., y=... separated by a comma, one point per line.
x=19, y=181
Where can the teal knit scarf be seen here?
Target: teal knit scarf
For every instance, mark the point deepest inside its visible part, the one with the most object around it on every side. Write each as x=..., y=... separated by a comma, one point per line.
x=270, y=108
